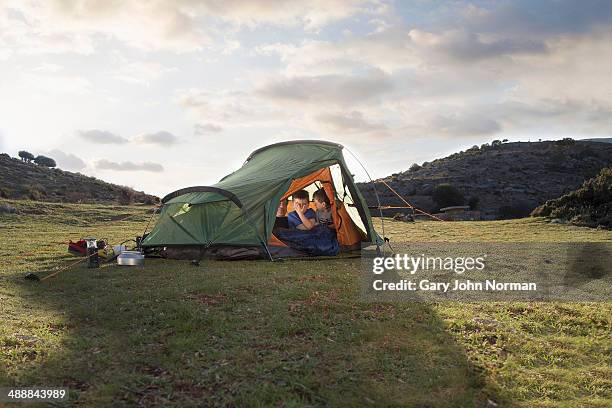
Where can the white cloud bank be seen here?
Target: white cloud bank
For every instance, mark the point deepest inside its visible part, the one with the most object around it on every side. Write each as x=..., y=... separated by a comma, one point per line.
x=103, y=164
x=67, y=161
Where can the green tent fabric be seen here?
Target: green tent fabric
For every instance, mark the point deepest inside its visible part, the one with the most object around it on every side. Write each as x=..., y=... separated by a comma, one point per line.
x=240, y=209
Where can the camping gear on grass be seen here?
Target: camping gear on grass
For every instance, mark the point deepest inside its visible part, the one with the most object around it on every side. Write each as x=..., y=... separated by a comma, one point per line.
x=234, y=218
x=93, y=259
x=130, y=258
x=78, y=248
x=118, y=249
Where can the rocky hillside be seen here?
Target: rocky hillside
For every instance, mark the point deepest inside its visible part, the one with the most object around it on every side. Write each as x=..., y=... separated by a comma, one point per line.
x=590, y=205
x=20, y=180
x=502, y=180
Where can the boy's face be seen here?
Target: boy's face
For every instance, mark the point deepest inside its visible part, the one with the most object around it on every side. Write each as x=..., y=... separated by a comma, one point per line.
x=300, y=204
x=281, y=211
x=320, y=204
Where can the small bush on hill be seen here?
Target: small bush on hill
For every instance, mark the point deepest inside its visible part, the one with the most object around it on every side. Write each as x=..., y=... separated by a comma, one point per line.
x=26, y=156
x=518, y=209
x=35, y=192
x=445, y=195
x=590, y=205
x=45, y=161
x=473, y=202
x=566, y=141
x=126, y=196
x=414, y=167
x=7, y=209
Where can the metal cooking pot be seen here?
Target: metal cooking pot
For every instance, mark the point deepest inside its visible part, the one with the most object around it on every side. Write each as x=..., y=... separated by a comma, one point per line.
x=130, y=258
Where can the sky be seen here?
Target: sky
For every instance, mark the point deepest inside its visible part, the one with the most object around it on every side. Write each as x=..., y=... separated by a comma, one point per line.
x=160, y=95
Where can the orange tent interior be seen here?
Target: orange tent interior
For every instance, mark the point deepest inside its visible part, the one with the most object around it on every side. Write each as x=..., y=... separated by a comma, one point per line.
x=349, y=236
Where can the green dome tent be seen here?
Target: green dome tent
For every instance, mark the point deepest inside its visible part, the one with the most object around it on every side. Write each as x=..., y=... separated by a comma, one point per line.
x=234, y=218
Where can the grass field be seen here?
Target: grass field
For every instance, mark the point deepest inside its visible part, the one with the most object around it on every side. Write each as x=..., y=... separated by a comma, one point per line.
x=289, y=334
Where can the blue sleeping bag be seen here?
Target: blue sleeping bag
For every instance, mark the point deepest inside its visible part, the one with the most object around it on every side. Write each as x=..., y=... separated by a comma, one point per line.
x=319, y=241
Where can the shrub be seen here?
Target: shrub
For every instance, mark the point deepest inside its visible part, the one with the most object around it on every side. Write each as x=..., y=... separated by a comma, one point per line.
x=149, y=200
x=414, y=167
x=26, y=156
x=446, y=195
x=45, y=161
x=126, y=196
x=589, y=205
x=566, y=141
x=35, y=192
x=7, y=209
x=5, y=192
x=473, y=202
x=518, y=209
x=556, y=160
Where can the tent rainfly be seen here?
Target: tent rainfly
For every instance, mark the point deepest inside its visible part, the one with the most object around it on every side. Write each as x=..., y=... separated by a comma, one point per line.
x=234, y=218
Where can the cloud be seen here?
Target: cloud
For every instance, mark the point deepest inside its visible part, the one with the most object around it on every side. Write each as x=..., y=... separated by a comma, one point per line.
x=479, y=77
x=57, y=26
x=228, y=108
x=325, y=89
x=104, y=164
x=161, y=138
x=310, y=14
x=206, y=128
x=470, y=46
x=353, y=122
x=473, y=124
x=139, y=72
x=54, y=83
x=101, y=137
x=48, y=68
x=67, y=161
x=80, y=26
x=541, y=18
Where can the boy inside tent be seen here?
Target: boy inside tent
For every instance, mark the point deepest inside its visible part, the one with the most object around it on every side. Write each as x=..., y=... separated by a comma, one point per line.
x=309, y=231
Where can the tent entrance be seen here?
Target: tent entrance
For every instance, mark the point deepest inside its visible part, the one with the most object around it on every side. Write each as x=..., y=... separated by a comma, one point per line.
x=349, y=226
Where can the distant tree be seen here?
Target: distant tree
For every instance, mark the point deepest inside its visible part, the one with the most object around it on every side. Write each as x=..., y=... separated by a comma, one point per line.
x=566, y=141
x=45, y=161
x=518, y=209
x=446, y=195
x=126, y=196
x=505, y=141
x=484, y=146
x=26, y=156
x=414, y=167
x=473, y=202
x=496, y=143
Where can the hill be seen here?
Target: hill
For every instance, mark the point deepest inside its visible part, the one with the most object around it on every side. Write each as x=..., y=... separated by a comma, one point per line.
x=503, y=180
x=600, y=140
x=590, y=205
x=21, y=180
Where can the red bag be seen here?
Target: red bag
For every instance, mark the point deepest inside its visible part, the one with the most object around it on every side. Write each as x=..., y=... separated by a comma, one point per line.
x=78, y=248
